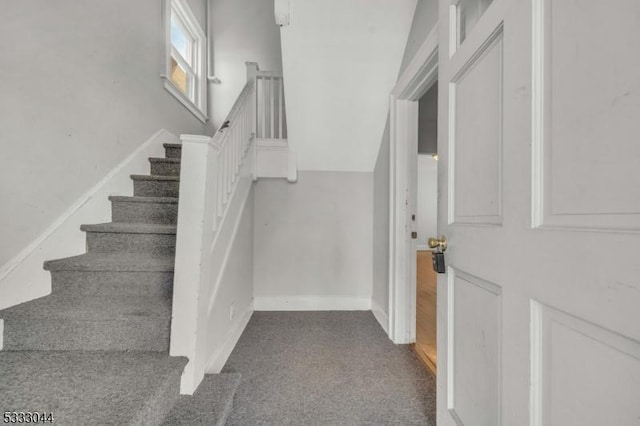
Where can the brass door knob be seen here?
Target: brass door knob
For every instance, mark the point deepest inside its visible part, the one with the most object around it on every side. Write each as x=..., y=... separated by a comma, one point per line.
x=436, y=243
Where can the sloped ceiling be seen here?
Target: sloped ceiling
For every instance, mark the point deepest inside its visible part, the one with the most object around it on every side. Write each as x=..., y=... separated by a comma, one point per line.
x=340, y=61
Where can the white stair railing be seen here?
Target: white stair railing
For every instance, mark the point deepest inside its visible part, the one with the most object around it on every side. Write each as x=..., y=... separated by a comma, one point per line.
x=271, y=118
x=213, y=171
x=274, y=156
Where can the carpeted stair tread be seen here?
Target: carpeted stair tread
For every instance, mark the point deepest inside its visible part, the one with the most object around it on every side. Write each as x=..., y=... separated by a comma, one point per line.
x=114, y=262
x=130, y=228
x=164, y=160
x=89, y=308
x=210, y=404
x=172, y=145
x=130, y=199
x=156, y=178
x=91, y=388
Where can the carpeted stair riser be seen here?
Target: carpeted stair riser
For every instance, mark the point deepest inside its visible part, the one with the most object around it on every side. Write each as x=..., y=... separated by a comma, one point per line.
x=115, y=334
x=210, y=404
x=132, y=212
x=164, y=168
x=112, y=283
x=110, y=242
x=156, y=188
x=172, y=150
x=115, y=262
x=159, y=406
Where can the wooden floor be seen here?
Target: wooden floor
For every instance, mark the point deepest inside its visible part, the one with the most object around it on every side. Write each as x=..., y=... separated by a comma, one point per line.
x=425, y=346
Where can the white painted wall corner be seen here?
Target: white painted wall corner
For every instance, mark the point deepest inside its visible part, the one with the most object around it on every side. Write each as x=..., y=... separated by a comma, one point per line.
x=381, y=316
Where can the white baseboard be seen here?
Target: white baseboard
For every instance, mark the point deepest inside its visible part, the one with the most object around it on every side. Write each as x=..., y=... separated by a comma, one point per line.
x=22, y=278
x=219, y=358
x=381, y=316
x=312, y=303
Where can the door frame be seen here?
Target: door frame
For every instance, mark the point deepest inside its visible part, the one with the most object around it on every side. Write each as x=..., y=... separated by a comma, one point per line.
x=417, y=78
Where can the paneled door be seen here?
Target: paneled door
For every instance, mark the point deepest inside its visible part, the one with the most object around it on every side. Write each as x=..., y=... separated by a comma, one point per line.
x=539, y=182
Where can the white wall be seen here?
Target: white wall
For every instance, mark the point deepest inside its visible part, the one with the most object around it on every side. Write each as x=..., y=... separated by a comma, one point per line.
x=233, y=305
x=424, y=19
x=24, y=279
x=340, y=61
x=313, y=242
x=242, y=31
x=380, y=293
x=427, y=208
x=81, y=90
x=199, y=9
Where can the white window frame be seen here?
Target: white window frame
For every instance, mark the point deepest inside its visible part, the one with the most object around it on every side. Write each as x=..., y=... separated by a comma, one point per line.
x=196, y=101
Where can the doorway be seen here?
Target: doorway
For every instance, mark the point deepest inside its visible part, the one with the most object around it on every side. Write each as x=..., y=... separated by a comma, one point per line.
x=426, y=214
x=415, y=81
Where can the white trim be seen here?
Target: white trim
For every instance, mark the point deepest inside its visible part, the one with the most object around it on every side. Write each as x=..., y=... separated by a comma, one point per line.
x=25, y=269
x=380, y=315
x=419, y=75
x=177, y=93
x=312, y=303
x=198, y=105
x=273, y=159
x=414, y=74
x=272, y=143
x=536, y=370
x=219, y=358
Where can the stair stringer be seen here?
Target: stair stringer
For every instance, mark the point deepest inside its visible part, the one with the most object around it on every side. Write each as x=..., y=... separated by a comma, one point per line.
x=192, y=336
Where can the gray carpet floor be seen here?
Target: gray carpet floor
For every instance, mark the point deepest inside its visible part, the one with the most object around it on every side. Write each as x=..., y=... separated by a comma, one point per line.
x=327, y=368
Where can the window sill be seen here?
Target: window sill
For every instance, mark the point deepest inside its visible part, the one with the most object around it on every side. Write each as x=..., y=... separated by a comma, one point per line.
x=195, y=110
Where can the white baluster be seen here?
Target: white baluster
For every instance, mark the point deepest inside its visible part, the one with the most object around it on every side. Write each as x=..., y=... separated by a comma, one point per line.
x=225, y=172
x=264, y=107
x=236, y=156
x=220, y=182
x=272, y=115
x=280, y=97
x=229, y=167
x=214, y=165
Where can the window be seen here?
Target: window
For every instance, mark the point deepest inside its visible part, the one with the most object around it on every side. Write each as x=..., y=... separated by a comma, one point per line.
x=467, y=13
x=185, y=74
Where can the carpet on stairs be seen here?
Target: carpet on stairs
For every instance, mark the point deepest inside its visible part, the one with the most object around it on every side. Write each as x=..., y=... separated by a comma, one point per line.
x=95, y=351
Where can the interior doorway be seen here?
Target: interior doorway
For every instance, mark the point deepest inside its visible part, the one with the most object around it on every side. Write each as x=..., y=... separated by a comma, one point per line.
x=417, y=78
x=426, y=215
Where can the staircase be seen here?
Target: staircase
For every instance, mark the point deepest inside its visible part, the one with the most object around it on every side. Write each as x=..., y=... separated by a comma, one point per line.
x=95, y=351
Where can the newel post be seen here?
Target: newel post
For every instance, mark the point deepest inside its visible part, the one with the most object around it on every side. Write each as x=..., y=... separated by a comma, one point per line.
x=252, y=73
x=188, y=272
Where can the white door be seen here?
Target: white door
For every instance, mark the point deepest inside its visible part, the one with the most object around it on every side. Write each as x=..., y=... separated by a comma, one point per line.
x=539, y=182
